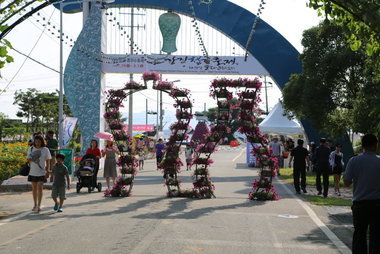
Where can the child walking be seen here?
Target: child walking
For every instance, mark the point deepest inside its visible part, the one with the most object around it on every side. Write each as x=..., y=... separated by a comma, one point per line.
x=141, y=155
x=189, y=156
x=59, y=184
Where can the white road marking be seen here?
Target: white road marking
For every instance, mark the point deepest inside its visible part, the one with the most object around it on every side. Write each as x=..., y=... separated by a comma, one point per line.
x=333, y=238
x=237, y=157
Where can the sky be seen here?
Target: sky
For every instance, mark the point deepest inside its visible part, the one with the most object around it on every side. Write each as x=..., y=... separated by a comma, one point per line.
x=289, y=17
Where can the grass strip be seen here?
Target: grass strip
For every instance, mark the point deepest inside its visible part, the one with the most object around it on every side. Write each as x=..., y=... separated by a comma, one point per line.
x=318, y=200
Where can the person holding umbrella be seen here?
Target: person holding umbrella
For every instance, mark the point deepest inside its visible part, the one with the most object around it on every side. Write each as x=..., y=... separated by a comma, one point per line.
x=110, y=152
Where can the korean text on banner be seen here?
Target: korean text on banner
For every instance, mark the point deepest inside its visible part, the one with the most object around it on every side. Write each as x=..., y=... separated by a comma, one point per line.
x=68, y=129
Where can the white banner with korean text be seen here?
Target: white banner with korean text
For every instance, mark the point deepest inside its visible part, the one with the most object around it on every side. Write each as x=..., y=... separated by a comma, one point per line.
x=68, y=129
x=180, y=64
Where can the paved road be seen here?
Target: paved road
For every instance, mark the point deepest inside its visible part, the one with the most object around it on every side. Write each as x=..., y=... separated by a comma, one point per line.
x=148, y=222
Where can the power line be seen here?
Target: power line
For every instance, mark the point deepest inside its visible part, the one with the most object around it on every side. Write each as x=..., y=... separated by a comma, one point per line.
x=27, y=57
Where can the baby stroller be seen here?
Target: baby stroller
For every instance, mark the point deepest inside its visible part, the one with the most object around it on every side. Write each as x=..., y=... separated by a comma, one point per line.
x=87, y=174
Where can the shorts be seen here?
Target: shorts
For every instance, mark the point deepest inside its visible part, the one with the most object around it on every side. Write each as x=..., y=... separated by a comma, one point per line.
x=36, y=179
x=337, y=170
x=188, y=161
x=58, y=191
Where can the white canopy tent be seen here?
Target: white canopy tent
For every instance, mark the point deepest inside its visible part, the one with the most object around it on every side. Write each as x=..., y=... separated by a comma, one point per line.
x=277, y=123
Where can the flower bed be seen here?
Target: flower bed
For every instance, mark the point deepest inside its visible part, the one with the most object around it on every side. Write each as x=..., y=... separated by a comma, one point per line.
x=12, y=157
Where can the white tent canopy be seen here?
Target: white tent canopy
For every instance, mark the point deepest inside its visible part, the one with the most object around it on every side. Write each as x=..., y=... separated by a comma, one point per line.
x=277, y=123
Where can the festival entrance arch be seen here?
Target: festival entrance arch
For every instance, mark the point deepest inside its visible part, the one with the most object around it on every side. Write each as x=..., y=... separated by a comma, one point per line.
x=83, y=82
x=83, y=79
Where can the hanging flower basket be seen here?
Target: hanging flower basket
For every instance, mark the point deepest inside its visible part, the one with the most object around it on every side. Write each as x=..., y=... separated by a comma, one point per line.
x=206, y=148
x=183, y=115
x=120, y=136
x=150, y=75
x=203, y=161
x=179, y=126
x=183, y=104
x=115, y=125
x=116, y=93
x=134, y=86
x=163, y=85
x=128, y=170
x=247, y=105
x=223, y=94
x=172, y=182
x=201, y=171
x=248, y=95
x=179, y=92
x=114, y=114
x=126, y=160
x=256, y=83
x=224, y=117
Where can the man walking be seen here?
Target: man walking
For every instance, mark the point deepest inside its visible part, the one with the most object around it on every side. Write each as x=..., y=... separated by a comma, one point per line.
x=364, y=171
x=275, y=146
x=322, y=156
x=301, y=156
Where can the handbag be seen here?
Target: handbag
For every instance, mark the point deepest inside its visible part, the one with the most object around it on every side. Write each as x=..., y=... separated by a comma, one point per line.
x=24, y=170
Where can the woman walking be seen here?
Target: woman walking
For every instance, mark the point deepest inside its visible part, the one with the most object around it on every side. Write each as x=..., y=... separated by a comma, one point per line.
x=110, y=162
x=336, y=163
x=38, y=158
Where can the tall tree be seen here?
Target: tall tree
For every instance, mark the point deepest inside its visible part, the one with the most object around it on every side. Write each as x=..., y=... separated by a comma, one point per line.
x=336, y=85
x=362, y=20
x=39, y=109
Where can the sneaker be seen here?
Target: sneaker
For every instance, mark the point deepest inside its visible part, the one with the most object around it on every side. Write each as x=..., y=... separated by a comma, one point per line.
x=60, y=210
x=56, y=206
x=304, y=191
x=298, y=192
x=324, y=196
x=338, y=193
x=319, y=192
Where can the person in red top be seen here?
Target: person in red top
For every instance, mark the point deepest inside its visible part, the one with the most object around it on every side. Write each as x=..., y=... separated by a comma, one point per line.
x=94, y=150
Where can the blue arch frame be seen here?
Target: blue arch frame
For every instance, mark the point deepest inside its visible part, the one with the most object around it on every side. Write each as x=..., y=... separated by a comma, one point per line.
x=268, y=46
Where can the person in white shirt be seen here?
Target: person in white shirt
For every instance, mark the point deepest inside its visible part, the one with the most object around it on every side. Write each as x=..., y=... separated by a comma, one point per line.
x=38, y=158
x=277, y=150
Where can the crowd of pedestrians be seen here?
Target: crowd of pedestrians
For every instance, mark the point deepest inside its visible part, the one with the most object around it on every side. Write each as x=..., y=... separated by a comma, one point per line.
x=363, y=171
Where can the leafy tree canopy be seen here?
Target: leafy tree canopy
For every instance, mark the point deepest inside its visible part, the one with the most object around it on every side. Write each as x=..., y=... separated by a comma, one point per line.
x=39, y=109
x=361, y=18
x=337, y=90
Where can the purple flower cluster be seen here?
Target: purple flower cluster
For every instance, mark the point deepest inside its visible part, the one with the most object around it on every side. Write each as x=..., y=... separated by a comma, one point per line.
x=163, y=85
x=151, y=75
x=134, y=85
x=176, y=92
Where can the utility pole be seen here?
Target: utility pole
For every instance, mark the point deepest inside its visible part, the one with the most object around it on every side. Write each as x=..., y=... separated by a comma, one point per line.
x=157, y=106
x=146, y=111
x=130, y=113
x=161, y=112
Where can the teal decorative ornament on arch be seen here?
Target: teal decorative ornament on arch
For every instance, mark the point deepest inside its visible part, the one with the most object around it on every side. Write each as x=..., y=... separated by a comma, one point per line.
x=169, y=26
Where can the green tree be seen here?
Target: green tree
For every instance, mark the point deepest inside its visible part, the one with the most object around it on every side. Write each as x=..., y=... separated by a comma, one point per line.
x=39, y=109
x=362, y=20
x=10, y=128
x=337, y=85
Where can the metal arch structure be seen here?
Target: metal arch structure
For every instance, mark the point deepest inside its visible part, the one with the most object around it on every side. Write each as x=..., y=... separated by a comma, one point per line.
x=269, y=47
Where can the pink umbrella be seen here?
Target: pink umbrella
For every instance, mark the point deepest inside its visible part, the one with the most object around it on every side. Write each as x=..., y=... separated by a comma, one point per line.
x=104, y=135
